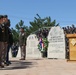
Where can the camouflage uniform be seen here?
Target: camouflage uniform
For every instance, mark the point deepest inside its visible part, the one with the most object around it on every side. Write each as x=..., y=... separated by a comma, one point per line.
x=3, y=40
x=22, y=43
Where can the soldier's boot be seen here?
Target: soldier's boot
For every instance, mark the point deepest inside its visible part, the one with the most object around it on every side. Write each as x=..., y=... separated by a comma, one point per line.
x=1, y=65
x=6, y=63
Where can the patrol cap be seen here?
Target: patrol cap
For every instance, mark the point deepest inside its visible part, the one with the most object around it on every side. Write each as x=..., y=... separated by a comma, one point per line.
x=1, y=16
x=5, y=16
x=8, y=20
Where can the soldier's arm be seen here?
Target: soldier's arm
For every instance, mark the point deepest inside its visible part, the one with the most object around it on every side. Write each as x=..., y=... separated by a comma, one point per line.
x=25, y=39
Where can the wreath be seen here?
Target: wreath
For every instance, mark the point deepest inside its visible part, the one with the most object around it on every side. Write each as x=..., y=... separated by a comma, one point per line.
x=43, y=44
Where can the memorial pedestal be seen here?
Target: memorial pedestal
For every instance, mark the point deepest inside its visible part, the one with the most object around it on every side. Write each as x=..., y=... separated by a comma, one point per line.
x=72, y=46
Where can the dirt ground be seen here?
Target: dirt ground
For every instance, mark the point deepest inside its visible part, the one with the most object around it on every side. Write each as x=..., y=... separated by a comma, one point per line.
x=41, y=66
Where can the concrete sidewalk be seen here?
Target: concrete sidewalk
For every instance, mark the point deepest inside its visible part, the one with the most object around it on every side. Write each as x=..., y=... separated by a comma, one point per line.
x=42, y=66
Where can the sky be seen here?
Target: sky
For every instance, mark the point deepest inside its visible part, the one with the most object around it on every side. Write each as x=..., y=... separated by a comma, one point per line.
x=63, y=11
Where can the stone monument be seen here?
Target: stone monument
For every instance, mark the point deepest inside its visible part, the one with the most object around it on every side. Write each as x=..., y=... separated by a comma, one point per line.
x=56, y=47
x=32, y=50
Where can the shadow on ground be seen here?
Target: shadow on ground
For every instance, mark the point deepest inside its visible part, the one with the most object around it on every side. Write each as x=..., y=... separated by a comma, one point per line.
x=19, y=65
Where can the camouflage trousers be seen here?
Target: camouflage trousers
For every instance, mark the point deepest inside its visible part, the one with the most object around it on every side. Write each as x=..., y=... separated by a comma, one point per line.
x=3, y=50
x=23, y=51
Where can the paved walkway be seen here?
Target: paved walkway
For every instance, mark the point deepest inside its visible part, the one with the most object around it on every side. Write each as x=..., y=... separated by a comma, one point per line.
x=39, y=67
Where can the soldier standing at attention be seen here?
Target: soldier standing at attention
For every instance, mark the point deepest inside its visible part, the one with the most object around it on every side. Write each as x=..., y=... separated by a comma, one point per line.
x=10, y=42
x=22, y=43
x=1, y=64
x=4, y=39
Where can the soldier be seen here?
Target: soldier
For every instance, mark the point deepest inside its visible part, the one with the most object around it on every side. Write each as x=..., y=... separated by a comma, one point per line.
x=4, y=39
x=22, y=43
x=10, y=42
x=1, y=64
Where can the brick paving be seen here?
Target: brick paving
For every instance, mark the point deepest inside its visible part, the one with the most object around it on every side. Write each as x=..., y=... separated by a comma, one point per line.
x=42, y=66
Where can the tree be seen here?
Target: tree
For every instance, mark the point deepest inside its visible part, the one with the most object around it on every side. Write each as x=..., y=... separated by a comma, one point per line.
x=15, y=35
x=34, y=25
x=19, y=25
x=16, y=30
x=40, y=23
